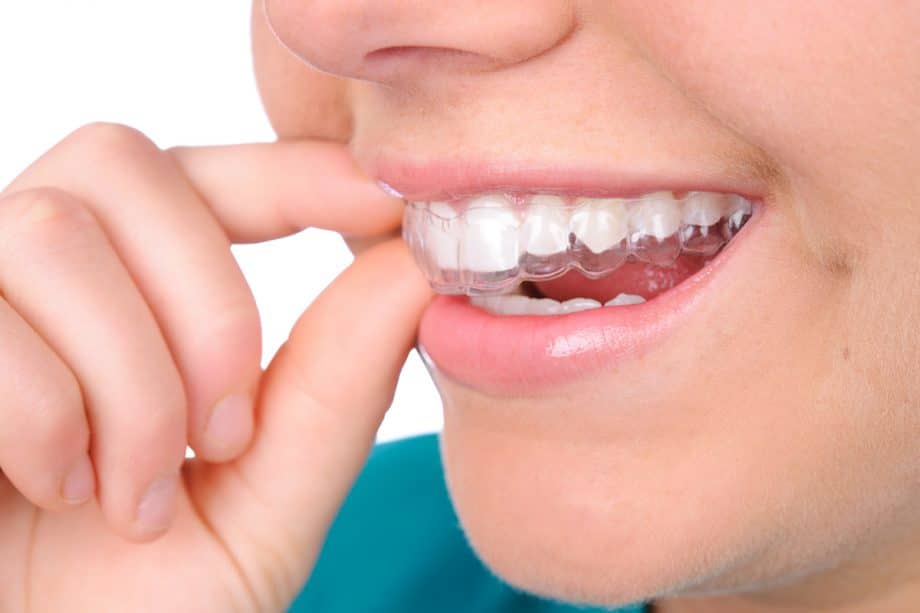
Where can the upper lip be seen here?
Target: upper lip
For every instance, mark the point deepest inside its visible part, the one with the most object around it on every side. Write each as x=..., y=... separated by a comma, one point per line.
x=442, y=179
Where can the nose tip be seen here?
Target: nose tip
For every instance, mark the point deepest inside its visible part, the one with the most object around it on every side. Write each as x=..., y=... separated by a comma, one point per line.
x=387, y=41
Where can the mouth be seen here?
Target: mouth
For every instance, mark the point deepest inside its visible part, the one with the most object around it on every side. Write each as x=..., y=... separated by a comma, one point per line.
x=540, y=287
x=545, y=254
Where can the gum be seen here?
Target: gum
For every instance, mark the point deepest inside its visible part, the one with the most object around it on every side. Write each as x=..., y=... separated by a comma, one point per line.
x=455, y=243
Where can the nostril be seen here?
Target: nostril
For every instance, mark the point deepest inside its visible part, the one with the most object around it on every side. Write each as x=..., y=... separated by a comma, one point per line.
x=412, y=59
x=401, y=40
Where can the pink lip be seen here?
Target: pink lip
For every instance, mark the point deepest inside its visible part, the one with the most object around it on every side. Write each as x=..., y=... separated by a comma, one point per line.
x=521, y=354
x=445, y=179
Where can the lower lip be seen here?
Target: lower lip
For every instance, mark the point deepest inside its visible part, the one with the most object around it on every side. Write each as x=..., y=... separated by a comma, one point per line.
x=517, y=354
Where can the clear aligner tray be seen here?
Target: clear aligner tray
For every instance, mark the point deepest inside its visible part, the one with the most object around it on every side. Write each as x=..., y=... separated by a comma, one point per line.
x=491, y=243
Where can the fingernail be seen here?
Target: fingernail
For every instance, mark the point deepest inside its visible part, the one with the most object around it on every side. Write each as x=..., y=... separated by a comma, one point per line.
x=80, y=482
x=228, y=419
x=158, y=504
x=389, y=190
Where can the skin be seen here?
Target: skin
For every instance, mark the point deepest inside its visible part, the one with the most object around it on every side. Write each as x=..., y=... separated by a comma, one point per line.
x=765, y=455
x=763, y=458
x=116, y=359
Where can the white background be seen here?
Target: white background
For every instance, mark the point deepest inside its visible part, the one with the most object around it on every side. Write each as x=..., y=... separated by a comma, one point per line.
x=180, y=71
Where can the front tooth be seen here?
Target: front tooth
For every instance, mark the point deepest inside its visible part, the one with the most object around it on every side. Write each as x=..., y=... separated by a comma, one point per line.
x=517, y=305
x=489, y=241
x=442, y=236
x=599, y=223
x=656, y=214
x=543, y=306
x=415, y=220
x=544, y=231
x=579, y=304
x=624, y=300
x=442, y=210
x=704, y=208
x=508, y=304
x=480, y=301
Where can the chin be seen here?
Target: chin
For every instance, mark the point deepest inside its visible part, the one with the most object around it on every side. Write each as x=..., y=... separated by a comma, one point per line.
x=568, y=516
x=572, y=497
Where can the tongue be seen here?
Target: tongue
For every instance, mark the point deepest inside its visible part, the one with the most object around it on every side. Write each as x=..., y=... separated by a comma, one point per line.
x=646, y=280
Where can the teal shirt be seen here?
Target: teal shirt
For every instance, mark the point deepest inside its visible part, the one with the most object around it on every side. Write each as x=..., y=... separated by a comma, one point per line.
x=396, y=547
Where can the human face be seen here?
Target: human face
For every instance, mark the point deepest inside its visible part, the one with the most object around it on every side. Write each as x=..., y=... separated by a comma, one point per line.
x=751, y=431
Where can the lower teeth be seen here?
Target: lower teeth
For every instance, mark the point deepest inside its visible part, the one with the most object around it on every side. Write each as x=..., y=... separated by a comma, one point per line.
x=519, y=304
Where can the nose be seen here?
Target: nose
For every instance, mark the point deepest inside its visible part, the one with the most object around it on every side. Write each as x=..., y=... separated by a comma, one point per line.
x=394, y=40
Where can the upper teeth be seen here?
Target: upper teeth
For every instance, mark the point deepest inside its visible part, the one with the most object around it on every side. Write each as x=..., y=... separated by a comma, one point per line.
x=488, y=243
x=599, y=223
x=440, y=239
x=544, y=229
x=705, y=208
x=656, y=215
x=490, y=236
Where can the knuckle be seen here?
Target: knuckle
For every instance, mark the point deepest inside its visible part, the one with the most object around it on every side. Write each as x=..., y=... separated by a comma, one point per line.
x=108, y=145
x=46, y=206
x=106, y=136
x=46, y=218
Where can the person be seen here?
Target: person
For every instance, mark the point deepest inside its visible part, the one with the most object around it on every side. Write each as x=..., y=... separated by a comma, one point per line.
x=740, y=437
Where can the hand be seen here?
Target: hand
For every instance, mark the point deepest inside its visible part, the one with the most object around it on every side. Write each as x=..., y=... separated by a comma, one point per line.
x=124, y=321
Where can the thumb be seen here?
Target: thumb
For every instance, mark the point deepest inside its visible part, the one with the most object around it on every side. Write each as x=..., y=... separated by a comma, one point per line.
x=320, y=403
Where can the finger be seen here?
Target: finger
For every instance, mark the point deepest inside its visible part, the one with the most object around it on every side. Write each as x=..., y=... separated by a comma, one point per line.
x=181, y=261
x=322, y=400
x=360, y=244
x=263, y=191
x=44, y=436
x=60, y=273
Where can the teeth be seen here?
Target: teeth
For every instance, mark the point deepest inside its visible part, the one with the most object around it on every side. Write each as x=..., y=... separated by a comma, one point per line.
x=504, y=305
x=625, y=300
x=579, y=304
x=656, y=215
x=702, y=213
x=489, y=242
x=442, y=210
x=442, y=240
x=654, y=222
x=704, y=208
x=517, y=304
x=544, y=306
x=544, y=231
x=599, y=223
x=739, y=210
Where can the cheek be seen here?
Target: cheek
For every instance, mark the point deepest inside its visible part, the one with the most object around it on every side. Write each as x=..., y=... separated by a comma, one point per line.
x=780, y=81
x=686, y=469
x=300, y=101
x=835, y=106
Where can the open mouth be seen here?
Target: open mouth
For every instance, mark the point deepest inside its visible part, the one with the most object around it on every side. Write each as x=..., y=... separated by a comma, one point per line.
x=549, y=275
x=547, y=254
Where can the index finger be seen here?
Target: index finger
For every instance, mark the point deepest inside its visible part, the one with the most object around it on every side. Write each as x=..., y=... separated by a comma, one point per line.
x=263, y=191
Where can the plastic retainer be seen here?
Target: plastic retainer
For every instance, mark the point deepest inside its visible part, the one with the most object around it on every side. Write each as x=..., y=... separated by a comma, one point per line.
x=489, y=244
